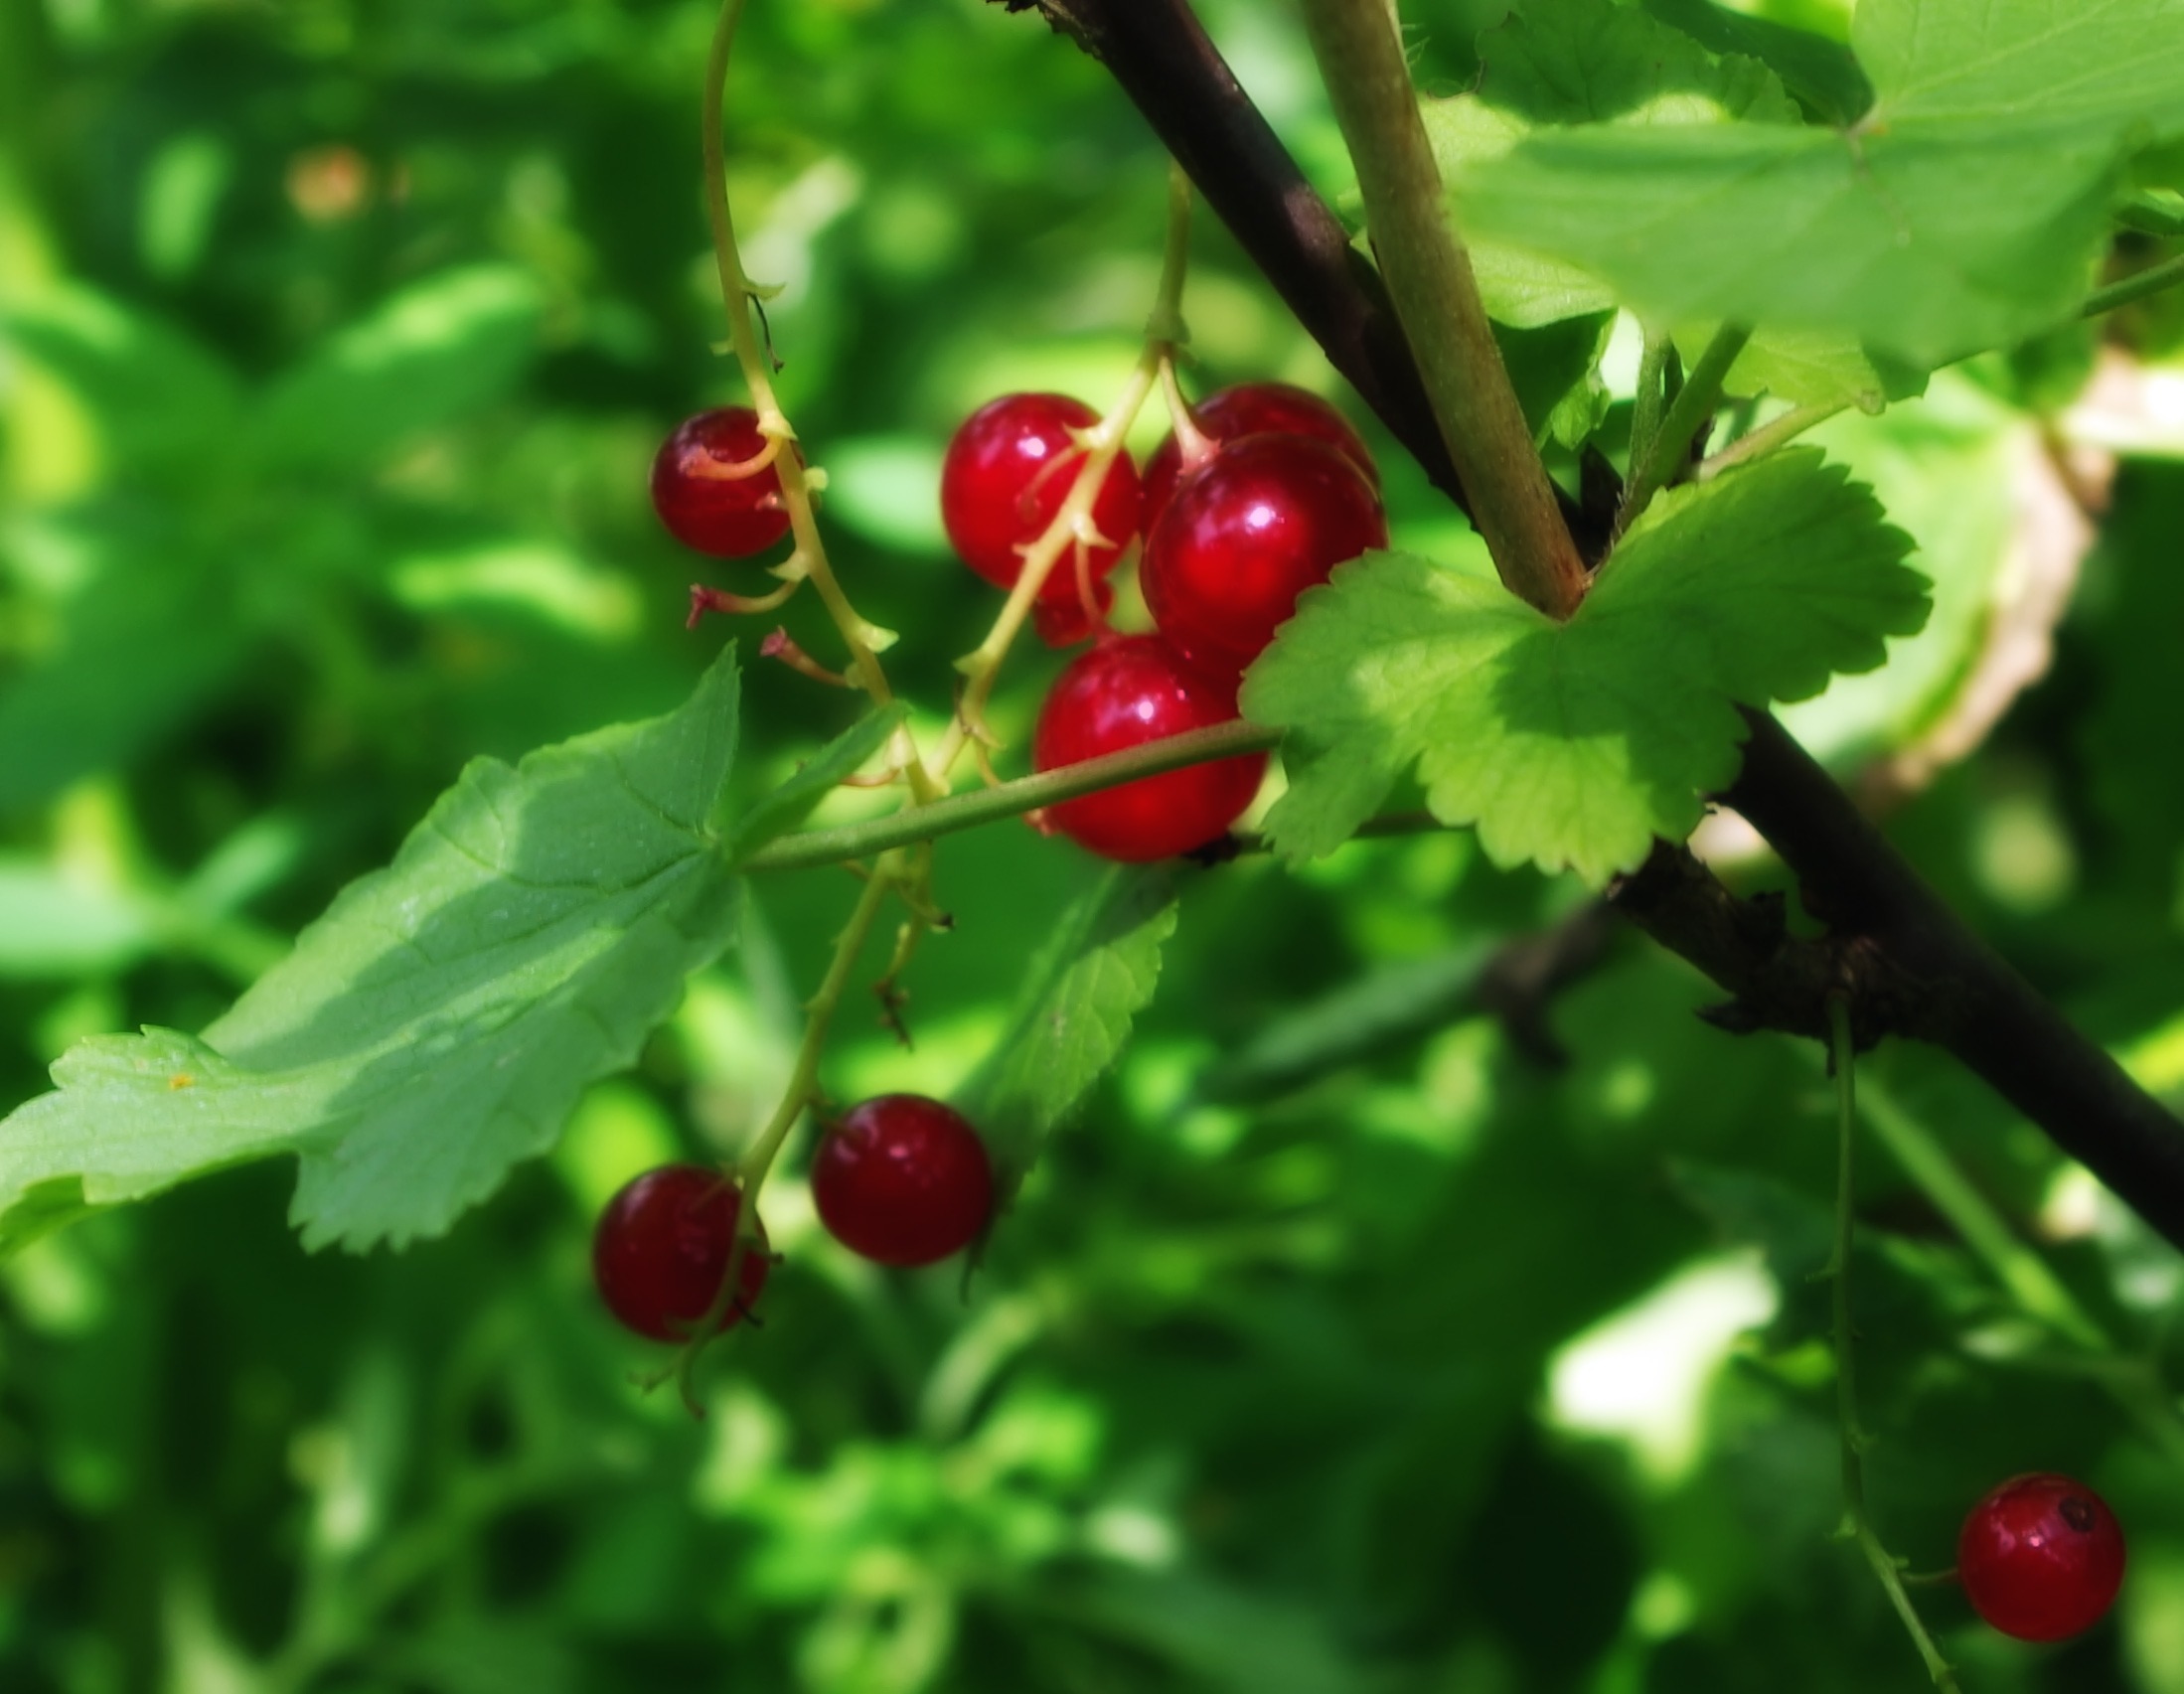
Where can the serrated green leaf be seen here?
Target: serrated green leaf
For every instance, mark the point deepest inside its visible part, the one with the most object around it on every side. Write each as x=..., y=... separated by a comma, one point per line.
x=1573, y=745
x=794, y=801
x=1553, y=369
x=439, y=349
x=1965, y=210
x=1073, y=1016
x=1598, y=62
x=439, y=1022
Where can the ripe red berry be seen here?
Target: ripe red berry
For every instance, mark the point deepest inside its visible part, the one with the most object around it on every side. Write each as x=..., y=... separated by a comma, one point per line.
x=902, y=1180
x=728, y=516
x=1253, y=409
x=2041, y=1558
x=1242, y=537
x=1124, y=693
x=1006, y=473
x=662, y=1248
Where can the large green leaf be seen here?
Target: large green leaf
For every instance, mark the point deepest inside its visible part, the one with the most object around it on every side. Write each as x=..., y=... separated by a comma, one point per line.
x=1573, y=744
x=438, y=1023
x=1083, y=989
x=1965, y=210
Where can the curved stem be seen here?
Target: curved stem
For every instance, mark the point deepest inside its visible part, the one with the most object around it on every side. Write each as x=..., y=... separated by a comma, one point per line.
x=1856, y=1524
x=808, y=848
x=2152, y=280
x=1774, y=433
x=1687, y=413
x=1436, y=297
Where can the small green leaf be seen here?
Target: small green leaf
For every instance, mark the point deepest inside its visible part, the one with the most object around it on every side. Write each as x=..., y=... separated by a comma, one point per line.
x=1072, y=1017
x=794, y=801
x=1573, y=745
x=439, y=348
x=439, y=1022
x=1818, y=71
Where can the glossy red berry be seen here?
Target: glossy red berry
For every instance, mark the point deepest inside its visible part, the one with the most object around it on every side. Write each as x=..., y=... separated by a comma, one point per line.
x=1124, y=693
x=1006, y=473
x=662, y=1249
x=903, y=1180
x=728, y=516
x=1242, y=537
x=2041, y=1558
x=1253, y=409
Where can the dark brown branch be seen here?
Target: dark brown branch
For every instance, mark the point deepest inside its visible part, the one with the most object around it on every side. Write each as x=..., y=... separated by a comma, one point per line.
x=1160, y=56
x=1909, y=964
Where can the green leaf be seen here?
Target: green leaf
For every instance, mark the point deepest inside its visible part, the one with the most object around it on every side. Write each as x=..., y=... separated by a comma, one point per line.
x=794, y=801
x=55, y=925
x=1552, y=370
x=439, y=1022
x=1573, y=745
x=1598, y=62
x=1072, y=1017
x=1965, y=210
x=433, y=351
x=1819, y=73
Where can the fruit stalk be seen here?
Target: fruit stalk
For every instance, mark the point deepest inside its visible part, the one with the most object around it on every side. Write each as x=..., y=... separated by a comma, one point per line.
x=1856, y=1526
x=1437, y=300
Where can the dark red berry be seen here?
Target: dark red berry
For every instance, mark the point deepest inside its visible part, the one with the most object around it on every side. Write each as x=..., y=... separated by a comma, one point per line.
x=2041, y=1558
x=1242, y=537
x=1124, y=693
x=1253, y=409
x=903, y=1180
x=662, y=1249
x=1006, y=473
x=728, y=516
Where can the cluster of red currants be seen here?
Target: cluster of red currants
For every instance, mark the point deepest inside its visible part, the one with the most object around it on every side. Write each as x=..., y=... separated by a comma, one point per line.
x=1267, y=492
x=901, y=1179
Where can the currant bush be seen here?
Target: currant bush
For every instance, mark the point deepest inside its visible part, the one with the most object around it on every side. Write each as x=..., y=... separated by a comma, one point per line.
x=2041, y=1558
x=662, y=1249
x=1244, y=535
x=1006, y=473
x=1124, y=692
x=1253, y=409
x=729, y=517
x=903, y=1180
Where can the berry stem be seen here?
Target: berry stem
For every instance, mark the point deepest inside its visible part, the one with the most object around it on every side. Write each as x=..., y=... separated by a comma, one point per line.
x=1687, y=413
x=1653, y=394
x=807, y=847
x=1856, y=1526
x=1436, y=297
x=862, y=639
x=2152, y=280
x=1071, y=523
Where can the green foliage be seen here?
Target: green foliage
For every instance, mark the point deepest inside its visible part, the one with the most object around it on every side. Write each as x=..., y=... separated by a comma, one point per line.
x=1963, y=211
x=439, y=1022
x=1379, y=1324
x=1573, y=744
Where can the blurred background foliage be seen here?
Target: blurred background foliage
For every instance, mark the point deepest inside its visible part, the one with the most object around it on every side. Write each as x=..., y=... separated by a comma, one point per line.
x=1347, y=1345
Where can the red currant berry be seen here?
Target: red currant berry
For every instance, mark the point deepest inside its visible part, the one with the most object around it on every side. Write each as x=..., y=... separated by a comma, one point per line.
x=1124, y=693
x=1006, y=473
x=728, y=516
x=1254, y=409
x=662, y=1248
x=2041, y=1558
x=1247, y=532
x=902, y=1180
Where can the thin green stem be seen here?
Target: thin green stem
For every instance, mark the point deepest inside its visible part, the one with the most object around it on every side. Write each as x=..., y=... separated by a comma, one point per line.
x=808, y=848
x=862, y=638
x=1436, y=301
x=1775, y=433
x=1694, y=403
x=1858, y=1524
x=2152, y=280
x=1651, y=398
